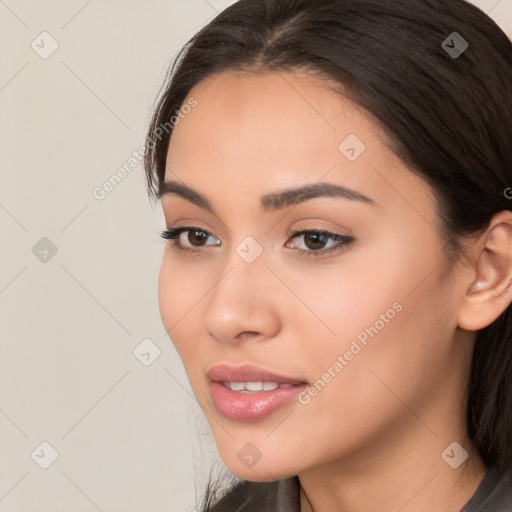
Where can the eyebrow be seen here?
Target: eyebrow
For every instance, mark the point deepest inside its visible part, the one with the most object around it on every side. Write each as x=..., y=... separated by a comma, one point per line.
x=274, y=201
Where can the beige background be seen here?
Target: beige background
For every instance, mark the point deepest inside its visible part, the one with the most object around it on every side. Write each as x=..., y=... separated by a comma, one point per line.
x=129, y=435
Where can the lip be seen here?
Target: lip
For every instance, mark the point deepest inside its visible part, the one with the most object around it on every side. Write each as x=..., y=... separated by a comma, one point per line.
x=247, y=373
x=250, y=406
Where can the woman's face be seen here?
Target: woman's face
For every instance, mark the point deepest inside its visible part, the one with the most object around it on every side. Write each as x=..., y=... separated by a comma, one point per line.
x=360, y=323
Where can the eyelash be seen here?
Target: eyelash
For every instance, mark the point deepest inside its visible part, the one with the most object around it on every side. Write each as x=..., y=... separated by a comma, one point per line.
x=172, y=234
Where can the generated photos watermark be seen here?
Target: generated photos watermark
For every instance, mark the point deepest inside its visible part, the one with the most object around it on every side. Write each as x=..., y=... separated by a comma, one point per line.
x=101, y=191
x=356, y=346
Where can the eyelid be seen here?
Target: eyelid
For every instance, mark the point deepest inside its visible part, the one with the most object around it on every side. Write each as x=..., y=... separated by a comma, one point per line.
x=344, y=241
x=177, y=230
x=172, y=234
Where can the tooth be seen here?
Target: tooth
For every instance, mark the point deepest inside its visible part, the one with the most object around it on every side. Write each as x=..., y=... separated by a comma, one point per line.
x=237, y=386
x=254, y=386
x=248, y=387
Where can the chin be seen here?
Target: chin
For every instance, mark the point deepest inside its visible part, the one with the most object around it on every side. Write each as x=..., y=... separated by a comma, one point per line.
x=260, y=471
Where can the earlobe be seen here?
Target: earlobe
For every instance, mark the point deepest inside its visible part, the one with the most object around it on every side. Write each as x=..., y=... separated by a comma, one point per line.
x=490, y=291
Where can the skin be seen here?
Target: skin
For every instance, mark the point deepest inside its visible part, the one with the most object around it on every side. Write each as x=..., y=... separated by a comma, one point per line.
x=372, y=439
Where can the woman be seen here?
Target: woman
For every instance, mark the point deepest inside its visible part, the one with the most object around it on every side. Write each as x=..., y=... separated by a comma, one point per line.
x=338, y=271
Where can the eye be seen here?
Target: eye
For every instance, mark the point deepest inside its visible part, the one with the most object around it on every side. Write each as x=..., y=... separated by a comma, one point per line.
x=319, y=242
x=186, y=238
x=314, y=242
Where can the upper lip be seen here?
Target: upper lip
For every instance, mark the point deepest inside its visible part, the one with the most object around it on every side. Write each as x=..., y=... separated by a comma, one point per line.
x=247, y=373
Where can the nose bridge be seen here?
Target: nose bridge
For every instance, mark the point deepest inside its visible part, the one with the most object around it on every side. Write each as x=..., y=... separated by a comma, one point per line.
x=241, y=301
x=245, y=267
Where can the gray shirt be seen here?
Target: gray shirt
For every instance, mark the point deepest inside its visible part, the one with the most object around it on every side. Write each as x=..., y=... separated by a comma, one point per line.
x=494, y=494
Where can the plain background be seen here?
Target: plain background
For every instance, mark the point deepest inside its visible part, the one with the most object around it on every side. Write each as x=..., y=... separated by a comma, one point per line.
x=128, y=433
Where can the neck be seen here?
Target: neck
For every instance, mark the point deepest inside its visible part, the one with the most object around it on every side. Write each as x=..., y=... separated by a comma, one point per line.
x=403, y=469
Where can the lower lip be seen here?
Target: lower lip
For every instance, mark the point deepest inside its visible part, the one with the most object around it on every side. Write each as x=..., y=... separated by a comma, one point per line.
x=251, y=406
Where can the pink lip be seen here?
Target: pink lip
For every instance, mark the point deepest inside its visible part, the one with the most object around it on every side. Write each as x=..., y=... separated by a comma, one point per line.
x=254, y=406
x=247, y=373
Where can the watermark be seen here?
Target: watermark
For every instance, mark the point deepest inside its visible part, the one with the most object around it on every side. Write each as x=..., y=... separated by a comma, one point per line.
x=173, y=121
x=146, y=352
x=508, y=192
x=355, y=347
x=454, y=455
x=352, y=147
x=455, y=45
x=249, y=249
x=101, y=191
x=249, y=455
x=44, y=250
x=44, y=455
x=44, y=45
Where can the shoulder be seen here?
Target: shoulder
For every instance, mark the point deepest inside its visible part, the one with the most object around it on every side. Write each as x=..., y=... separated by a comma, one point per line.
x=494, y=494
x=502, y=493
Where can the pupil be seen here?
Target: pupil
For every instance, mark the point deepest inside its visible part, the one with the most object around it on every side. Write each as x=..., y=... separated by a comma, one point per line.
x=317, y=240
x=199, y=237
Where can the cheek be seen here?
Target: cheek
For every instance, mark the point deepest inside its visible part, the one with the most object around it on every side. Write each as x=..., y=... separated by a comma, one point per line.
x=179, y=295
x=390, y=321
x=363, y=288
x=394, y=321
x=398, y=363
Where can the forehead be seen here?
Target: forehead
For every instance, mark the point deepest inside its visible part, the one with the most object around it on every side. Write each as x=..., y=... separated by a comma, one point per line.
x=252, y=133
x=269, y=102
x=263, y=120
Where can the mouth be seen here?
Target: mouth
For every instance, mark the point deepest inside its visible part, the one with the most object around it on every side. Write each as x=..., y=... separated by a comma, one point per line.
x=249, y=374
x=254, y=387
x=249, y=393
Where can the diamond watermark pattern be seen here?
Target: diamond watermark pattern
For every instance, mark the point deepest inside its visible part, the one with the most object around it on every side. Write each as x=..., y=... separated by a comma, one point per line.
x=44, y=45
x=44, y=455
x=249, y=250
x=454, y=455
x=146, y=352
x=455, y=45
x=44, y=250
x=249, y=454
x=352, y=147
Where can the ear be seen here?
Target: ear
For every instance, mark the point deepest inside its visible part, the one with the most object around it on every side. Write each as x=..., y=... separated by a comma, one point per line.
x=490, y=291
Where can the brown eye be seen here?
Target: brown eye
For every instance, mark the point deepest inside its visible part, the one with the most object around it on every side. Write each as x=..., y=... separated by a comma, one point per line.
x=196, y=238
x=189, y=237
x=315, y=241
x=318, y=242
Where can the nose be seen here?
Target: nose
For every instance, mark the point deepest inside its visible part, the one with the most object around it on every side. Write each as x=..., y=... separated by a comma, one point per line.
x=243, y=304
